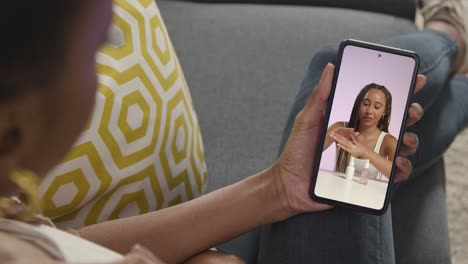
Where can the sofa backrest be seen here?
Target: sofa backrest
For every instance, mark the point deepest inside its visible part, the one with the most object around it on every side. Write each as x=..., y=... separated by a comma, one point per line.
x=400, y=8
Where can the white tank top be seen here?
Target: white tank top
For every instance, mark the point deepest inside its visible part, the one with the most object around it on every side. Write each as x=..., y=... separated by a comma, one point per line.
x=360, y=163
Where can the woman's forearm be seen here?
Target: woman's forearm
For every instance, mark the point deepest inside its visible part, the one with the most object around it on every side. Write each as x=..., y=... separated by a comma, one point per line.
x=380, y=163
x=328, y=142
x=176, y=233
x=328, y=139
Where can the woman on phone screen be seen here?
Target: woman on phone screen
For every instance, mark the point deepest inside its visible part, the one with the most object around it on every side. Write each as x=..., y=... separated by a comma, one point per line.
x=365, y=136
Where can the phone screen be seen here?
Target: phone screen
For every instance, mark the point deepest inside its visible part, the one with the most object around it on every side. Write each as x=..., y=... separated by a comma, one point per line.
x=364, y=126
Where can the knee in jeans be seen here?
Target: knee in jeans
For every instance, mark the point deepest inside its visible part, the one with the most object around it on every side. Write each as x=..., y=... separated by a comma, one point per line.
x=318, y=62
x=324, y=55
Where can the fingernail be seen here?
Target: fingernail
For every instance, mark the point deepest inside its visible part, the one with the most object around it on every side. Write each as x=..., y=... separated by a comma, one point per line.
x=324, y=73
x=407, y=162
x=413, y=138
x=418, y=108
x=139, y=249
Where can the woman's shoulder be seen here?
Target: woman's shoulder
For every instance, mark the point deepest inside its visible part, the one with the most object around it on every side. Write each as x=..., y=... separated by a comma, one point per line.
x=389, y=141
x=389, y=137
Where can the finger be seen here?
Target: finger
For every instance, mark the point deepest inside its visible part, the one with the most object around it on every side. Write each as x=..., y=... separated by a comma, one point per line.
x=348, y=146
x=342, y=144
x=341, y=139
x=420, y=82
x=351, y=130
x=342, y=132
x=143, y=255
x=410, y=144
x=316, y=103
x=132, y=258
x=315, y=207
x=404, y=168
x=415, y=113
x=345, y=148
x=353, y=139
x=351, y=133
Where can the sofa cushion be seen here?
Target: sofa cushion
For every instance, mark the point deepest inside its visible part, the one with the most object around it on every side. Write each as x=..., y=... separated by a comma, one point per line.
x=244, y=63
x=142, y=149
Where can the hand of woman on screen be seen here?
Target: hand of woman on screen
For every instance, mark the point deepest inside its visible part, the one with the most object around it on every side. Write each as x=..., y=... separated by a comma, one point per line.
x=346, y=132
x=351, y=146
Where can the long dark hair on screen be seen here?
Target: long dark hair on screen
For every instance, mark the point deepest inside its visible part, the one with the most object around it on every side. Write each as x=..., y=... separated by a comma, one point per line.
x=384, y=122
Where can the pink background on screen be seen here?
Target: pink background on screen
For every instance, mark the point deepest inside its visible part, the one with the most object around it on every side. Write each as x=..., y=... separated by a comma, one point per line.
x=360, y=67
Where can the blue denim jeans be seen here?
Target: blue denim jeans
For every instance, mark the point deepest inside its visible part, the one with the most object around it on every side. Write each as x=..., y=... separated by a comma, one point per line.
x=344, y=236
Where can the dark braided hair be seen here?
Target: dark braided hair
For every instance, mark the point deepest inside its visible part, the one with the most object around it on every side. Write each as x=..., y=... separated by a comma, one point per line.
x=384, y=122
x=33, y=40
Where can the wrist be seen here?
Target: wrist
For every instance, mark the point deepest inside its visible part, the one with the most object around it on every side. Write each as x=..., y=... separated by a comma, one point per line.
x=275, y=197
x=288, y=206
x=368, y=154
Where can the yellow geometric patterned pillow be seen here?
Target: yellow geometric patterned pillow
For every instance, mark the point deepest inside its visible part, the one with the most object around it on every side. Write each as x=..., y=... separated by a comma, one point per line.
x=142, y=149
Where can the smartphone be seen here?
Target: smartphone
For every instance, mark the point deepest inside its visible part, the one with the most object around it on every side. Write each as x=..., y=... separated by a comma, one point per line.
x=364, y=125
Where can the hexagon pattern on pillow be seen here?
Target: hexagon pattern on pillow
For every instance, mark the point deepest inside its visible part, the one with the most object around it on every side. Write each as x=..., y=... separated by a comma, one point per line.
x=142, y=149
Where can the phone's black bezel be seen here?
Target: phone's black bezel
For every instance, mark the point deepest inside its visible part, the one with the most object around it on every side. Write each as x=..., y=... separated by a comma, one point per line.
x=376, y=47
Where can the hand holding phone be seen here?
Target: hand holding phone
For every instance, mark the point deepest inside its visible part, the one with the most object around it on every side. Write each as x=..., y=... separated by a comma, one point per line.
x=298, y=158
x=364, y=123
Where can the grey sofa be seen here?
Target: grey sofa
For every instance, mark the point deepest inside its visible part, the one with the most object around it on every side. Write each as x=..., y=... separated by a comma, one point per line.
x=243, y=64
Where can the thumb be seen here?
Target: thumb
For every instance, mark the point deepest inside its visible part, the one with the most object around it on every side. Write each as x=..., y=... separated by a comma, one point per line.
x=317, y=102
x=140, y=255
